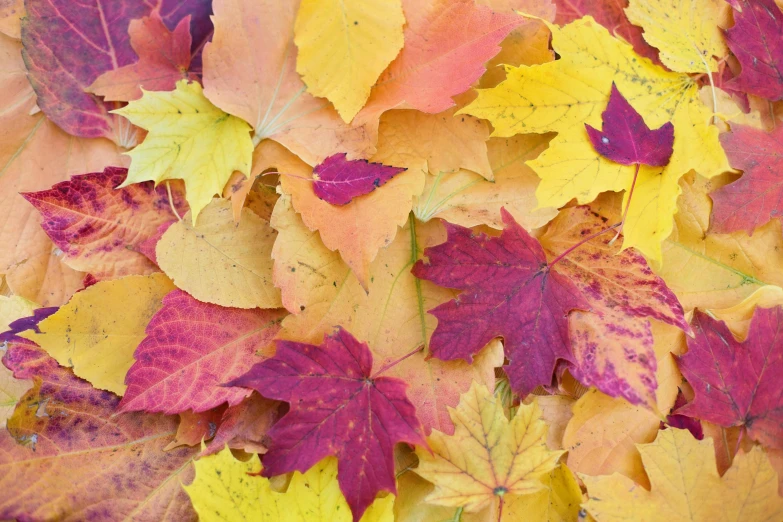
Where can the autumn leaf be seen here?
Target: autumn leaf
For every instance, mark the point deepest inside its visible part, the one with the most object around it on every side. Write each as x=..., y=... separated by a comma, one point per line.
x=338, y=407
x=164, y=59
x=755, y=198
x=489, y=460
x=194, y=428
x=188, y=139
x=509, y=292
x=11, y=14
x=344, y=46
x=190, y=350
x=62, y=428
x=229, y=489
x=100, y=229
x=97, y=332
x=337, y=180
x=686, y=485
x=245, y=426
x=218, y=261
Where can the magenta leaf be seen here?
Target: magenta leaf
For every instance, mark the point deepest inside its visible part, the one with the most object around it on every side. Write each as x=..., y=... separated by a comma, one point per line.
x=757, y=41
x=337, y=408
x=626, y=139
x=738, y=383
x=508, y=292
x=338, y=180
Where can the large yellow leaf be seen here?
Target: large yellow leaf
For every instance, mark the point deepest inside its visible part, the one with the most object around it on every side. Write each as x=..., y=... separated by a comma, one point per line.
x=188, y=139
x=97, y=332
x=226, y=489
x=686, y=486
x=563, y=95
x=686, y=33
x=557, y=502
x=489, y=460
x=344, y=45
x=221, y=262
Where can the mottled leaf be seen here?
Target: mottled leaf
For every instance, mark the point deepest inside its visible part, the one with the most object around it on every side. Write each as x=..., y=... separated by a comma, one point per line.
x=338, y=180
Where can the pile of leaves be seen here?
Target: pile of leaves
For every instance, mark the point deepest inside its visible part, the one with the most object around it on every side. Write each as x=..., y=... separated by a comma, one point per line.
x=412, y=260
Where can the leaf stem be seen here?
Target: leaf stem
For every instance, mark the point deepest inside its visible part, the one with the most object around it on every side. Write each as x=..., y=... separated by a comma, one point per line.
x=628, y=204
x=394, y=363
x=171, y=201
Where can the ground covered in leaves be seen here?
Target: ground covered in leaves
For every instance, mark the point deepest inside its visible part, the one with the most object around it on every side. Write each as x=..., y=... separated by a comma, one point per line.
x=391, y=260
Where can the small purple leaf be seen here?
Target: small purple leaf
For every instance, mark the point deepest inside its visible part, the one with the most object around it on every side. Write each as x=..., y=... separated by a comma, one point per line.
x=338, y=180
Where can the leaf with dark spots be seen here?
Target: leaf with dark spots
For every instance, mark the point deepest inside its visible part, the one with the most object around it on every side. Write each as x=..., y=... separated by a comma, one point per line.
x=627, y=139
x=338, y=407
x=27, y=323
x=508, y=292
x=738, y=383
x=338, y=180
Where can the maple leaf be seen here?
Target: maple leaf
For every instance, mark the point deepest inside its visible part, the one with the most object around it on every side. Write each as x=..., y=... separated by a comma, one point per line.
x=489, y=459
x=338, y=180
x=562, y=95
x=508, y=292
x=338, y=407
x=61, y=72
x=229, y=489
x=59, y=433
x=96, y=333
x=190, y=350
x=268, y=93
x=344, y=47
x=735, y=383
x=99, y=229
x=164, y=59
x=754, y=40
x=245, y=426
x=686, y=486
x=686, y=33
x=320, y=290
x=755, y=198
x=188, y=139
x=221, y=262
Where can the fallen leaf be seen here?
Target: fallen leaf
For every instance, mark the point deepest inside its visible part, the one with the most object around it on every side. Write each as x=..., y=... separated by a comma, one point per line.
x=229, y=489
x=489, y=460
x=188, y=139
x=338, y=407
x=190, y=350
x=11, y=389
x=344, y=46
x=12, y=308
x=411, y=506
x=737, y=318
x=194, y=428
x=245, y=426
x=736, y=383
x=686, y=486
x=557, y=502
x=58, y=433
x=338, y=181
x=96, y=333
x=99, y=229
x=509, y=292
x=220, y=262
x=11, y=14
x=164, y=59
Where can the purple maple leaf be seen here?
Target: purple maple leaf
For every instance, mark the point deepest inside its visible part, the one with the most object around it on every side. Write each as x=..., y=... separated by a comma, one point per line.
x=339, y=180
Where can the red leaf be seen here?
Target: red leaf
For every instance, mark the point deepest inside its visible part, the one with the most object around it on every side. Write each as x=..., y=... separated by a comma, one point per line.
x=191, y=349
x=337, y=408
x=757, y=196
x=246, y=426
x=508, y=292
x=626, y=139
x=338, y=180
x=100, y=229
x=757, y=41
x=738, y=383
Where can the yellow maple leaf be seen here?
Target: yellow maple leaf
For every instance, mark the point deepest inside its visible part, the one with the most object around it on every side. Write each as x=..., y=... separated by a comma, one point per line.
x=686, y=486
x=344, y=46
x=97, y=332
x=489, y=460
x=226, y=489
x=563, y=95
x=686, y=33
x=188, y=139
x=221, y=262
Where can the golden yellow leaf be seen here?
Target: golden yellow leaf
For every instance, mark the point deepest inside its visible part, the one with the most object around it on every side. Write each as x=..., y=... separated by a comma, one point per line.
x=97, y=332
x=738, y=317
x=489, y=460
x=225, y=490
x=344, y=46
x=686, y=486
x=11, y=13
x=188, y=139
x=12, y=308
x=686, y=33
x=563, y=95
x=221, y=262
x=558, y=502
x=410, y=505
